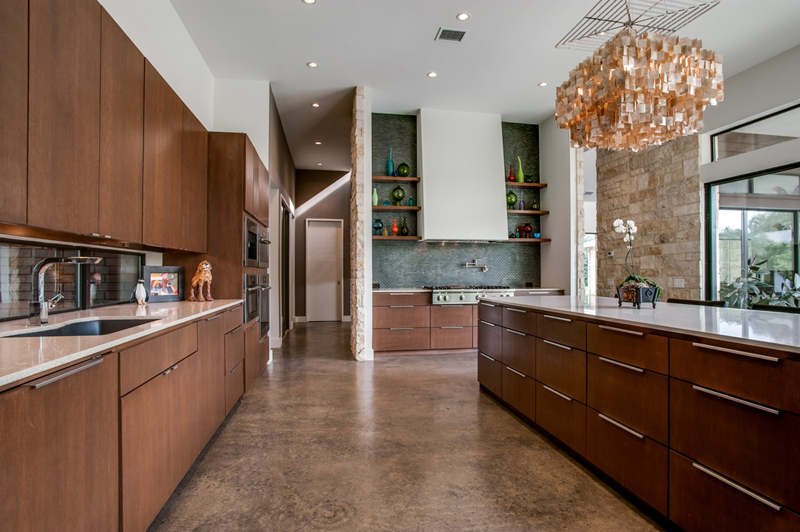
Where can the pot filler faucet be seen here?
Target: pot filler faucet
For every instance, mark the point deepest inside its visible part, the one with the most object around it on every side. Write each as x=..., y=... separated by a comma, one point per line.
x=39, y=305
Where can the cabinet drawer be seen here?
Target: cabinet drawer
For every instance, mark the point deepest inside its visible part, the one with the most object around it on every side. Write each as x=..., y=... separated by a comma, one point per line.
x=475, y=337
x=561, y=367
x=387, y=299
x=451, y=338
x=519, y=391
x=490, y=373
x=234, y=348
x=490, y=312
x=752, y=446
x=490, y=339
x=451, y=316
x=565, y=331
x=401, y=339
x=519, y=351
x=520, y=320
x=635, y=461
x=699, y=501
x=561, y=416
x=233, y=318
x=640, y=349
x=234, y=387
x=142, y=362
x=637, y=398
x=401, y=316
x=475, y=315
x=771, y=380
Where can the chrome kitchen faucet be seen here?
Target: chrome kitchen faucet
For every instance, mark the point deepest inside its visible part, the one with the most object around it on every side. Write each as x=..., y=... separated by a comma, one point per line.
x=39, y=305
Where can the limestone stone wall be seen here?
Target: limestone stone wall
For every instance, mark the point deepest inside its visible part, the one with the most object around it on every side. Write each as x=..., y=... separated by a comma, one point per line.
x=660, y=189
x=359, y=294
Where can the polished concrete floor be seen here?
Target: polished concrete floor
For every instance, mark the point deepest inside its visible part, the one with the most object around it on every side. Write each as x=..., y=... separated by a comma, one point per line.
x=402, y=443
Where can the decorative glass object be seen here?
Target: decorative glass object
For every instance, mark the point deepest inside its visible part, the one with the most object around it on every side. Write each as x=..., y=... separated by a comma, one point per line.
x=411, y=201
x=397, y=195
x=511, y=199
x=520, y=174
x=374, y=196
x=377, y=225
x=527, y=229
x=390, y=163
x=537, y=235
x=403, y=170
x=522, y=203
x=404, y=228
x=511, y=172
x=394, y=227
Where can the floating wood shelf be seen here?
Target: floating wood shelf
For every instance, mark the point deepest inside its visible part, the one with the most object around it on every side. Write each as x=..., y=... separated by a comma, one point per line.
x=395, y=208
x=525, y=185
x=396, y=237
x=517, y=211
x=392, y=179
x=529, y=240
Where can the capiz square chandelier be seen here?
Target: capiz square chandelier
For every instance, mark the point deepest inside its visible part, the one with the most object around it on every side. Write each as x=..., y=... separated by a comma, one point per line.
x=640, y=88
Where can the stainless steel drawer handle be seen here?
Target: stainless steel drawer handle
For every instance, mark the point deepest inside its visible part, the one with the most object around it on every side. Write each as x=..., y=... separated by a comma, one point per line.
x=555, y=318
x=236, y=329
x=516, y=310
x=451, y=327
x=738, y=487
x=487, y=323
x=236, y=367
x=515, y=371
x=623, y=331
x=170, y=370
x=235, y=309
x=41, y=383
x=561, y=395
x=620, y=364
x=401, y=328
x=488, y=305
x=735, y=352
x=515, y=332
x=401, y=294
x=214, y=317
x=621, y=426
x=451, y=306
x=557, y=345
x=486, y=356
x=401, y=306
x=737, y=400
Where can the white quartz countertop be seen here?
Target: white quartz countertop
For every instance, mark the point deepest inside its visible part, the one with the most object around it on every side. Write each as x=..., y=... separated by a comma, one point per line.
x=774, y=330
x=21, y=358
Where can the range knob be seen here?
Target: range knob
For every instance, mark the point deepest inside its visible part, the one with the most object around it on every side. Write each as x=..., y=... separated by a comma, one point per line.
x=438, y=298
x=447, y=298
x=463, y=297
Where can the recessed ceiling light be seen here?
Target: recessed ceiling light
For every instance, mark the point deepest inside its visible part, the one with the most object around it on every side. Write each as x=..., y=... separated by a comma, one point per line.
x=603, y=32
x=432, y=74
x=312, y=64
x=315, y=104
x=462, y=16
x=543, y=84
x=309, y=1
x=318, y=143
x=319, y=164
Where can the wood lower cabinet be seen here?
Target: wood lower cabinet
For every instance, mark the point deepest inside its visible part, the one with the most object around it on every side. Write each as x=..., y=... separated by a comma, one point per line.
x=519, y=320
x=562, y=416
x=234, y=372
x=185, y=415
x=64, y=115
x=451, y=337
x=401, y=339
x=561, y=330
x=388, y=299
x=121, y=135
x=491, y=313
x=59, y=450
x=490, y=339
x=252, y=369
x=519, y=351
x=211, y=350
x=638, y=463
x=140, y=363
x=562, y=368
x=704, y=500
x=451, y=315
x=14, y=104
x=490, y=373
x=644, y=350
x=519, y=391
x=401, y=316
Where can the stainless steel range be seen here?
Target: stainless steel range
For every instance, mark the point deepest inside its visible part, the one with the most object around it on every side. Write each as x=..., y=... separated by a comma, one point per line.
x=466, y=295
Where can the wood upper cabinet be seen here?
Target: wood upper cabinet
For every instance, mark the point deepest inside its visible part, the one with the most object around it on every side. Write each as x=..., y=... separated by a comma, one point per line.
x=14, y=108
x=121, y=135
x=194, y=183
x=251, y=363
x=250, y=178
x=163, y=161
x=263, y=194
x=64, y=115
x=59, y=450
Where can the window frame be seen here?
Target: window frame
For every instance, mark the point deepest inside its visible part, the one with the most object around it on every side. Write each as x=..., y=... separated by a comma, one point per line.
x=744, y=124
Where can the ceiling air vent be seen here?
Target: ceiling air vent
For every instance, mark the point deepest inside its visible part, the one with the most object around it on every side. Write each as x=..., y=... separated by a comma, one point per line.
x=446, y=34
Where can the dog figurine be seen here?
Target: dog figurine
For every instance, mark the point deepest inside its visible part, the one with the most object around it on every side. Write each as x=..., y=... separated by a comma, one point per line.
x=202, y=277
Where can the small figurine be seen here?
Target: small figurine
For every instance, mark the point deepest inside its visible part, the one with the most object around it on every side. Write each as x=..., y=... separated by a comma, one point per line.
x=140, y=293
x=202, y=277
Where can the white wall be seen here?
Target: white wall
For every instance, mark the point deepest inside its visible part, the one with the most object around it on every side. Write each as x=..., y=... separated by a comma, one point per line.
x=242, y=106
x=156, y=29
x=557, y=169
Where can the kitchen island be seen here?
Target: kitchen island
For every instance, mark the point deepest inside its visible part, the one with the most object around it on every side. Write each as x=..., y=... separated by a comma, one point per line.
x=691, y=410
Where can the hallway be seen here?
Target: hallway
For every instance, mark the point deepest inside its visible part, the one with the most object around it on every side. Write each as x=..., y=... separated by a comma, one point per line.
x=402, y=443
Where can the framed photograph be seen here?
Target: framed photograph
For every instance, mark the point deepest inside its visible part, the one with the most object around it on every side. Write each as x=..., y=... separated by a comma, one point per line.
x=163, y=283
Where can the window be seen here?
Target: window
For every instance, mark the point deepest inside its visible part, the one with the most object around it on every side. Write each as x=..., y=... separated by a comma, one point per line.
x=754, y=220
x=110, y=282
x=776, y=128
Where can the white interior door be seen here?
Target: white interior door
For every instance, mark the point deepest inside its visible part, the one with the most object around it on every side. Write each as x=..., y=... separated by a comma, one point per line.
x=324, y=270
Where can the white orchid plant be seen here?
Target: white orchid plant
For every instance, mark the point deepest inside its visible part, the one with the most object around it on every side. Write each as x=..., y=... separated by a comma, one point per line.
x=628, y=228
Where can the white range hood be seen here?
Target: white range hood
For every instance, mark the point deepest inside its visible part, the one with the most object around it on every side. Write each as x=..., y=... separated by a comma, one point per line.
x=462, y=191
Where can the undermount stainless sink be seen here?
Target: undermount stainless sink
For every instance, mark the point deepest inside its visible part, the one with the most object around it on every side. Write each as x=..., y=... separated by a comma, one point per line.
x=95, y=327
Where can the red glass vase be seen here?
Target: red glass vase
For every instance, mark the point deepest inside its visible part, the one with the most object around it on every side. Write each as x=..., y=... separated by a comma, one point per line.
x=394, y=227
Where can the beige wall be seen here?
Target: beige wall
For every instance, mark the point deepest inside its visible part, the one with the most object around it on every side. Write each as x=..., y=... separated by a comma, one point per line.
x=660, y=189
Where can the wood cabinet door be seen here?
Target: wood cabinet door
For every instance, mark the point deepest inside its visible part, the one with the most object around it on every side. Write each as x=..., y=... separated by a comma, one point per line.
x=561, y=367
x=562, y=416
x=121, y=135
x=250, y=178
x=519, y=351
x=234, y=360
x=263, y=193
x=64, y=115
x=185, y=403
x=147, y=473
x=194, y=183
x=490, y=374
x=519, y=391
x=163, y=159
x=490, y=339
x=59, y=450
x=251, y=365
x=14, y=108
x=211, y=349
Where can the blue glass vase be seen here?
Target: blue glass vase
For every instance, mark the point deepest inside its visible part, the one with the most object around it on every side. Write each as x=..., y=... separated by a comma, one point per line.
x=377, y=225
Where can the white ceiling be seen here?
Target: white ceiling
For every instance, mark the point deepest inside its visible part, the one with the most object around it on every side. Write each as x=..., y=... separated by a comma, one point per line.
x=389, y=46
